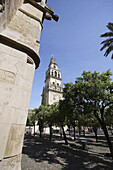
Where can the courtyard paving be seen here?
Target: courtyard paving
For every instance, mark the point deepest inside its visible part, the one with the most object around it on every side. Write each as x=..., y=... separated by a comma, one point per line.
x=41, y=154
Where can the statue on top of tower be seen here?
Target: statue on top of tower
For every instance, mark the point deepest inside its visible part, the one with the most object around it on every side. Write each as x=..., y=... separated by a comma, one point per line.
x=52, y=61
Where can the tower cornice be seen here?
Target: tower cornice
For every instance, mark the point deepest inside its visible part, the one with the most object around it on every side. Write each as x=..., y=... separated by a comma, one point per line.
x=50, y=68
x=47, y=77
x=46, y=90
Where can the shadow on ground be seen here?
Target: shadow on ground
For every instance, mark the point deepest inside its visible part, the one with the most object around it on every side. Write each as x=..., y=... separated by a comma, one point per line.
x=41, y=154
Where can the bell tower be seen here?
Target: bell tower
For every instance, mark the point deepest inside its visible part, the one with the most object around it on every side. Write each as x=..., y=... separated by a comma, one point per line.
x=53, y=91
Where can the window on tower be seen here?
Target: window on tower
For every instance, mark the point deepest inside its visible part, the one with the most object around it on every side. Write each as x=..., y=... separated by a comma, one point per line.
x=52, y=72
x=55, y=74
x=58, y=75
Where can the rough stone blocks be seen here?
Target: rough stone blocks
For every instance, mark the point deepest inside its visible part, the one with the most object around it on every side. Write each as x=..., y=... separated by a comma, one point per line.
x=16, y=77
x=20, y=29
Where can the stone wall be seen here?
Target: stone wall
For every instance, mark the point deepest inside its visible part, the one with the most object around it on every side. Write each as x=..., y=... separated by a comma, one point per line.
x=16, y=76
x=54, y=97
x=20, y=29
x=8, y=9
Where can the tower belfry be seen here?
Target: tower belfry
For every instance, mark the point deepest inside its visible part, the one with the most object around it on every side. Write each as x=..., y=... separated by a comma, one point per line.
x=53, y=91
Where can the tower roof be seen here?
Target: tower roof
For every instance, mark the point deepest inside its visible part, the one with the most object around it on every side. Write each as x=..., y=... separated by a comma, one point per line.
x=52, y=61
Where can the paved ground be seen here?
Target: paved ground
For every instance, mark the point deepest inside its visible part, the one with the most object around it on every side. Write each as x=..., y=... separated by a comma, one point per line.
x=40, y=154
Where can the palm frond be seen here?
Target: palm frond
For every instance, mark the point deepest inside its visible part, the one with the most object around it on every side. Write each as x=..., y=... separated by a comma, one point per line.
x=107, y=34
x=110, y=26
x=107, y=41
x=108, y=50
x=105, y=45
x=112, y=56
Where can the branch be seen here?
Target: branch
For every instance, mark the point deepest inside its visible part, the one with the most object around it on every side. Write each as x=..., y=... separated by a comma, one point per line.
x=107, y=104
x=97, y=116
x=102, y=113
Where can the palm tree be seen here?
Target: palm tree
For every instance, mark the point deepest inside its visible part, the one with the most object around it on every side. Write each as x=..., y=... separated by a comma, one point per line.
x=108, y=43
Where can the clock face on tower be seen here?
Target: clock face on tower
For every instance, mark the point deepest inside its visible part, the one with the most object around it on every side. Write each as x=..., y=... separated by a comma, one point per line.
x=53, y=89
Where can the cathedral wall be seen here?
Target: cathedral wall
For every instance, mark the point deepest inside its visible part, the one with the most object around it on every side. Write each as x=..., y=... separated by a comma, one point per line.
x=24, y=29
x=19, y=45
x=16, y=77
x=8, y=9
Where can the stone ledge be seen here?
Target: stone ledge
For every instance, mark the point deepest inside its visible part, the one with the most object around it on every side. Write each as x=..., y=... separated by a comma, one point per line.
x=21, y=47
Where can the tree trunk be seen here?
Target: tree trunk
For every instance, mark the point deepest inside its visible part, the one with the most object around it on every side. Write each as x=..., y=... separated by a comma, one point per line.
x=84, y=132
x=79, y=126
x=34, y=129
x=74, y=132
x=40, y=129
x=69, y=129
x=65, y=138
x=111, y=131
x=95, y=131
x=104, y=128
x=61, y=132
x=107, y=138
x=50, y=136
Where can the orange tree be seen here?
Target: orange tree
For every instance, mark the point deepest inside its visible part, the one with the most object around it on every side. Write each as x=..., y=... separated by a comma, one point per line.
x=94, y=93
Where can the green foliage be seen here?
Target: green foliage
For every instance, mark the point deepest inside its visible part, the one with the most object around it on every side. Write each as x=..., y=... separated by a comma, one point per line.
x=90, y=93
x=82, y=101
x=41, y=113
x=94, y=94
x=61, y=117
x=94, y=89
x=88, y=102
x=47, y=114
x=28, y=123
x=109, y=116
x=31, y=119
x=52, y=114
x=69, y=104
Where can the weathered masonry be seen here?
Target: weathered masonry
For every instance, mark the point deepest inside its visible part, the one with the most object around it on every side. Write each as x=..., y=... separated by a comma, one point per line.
x=20, y=29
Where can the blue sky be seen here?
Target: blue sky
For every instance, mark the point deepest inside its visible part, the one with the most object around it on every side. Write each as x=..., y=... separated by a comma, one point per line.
x=74, y=41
